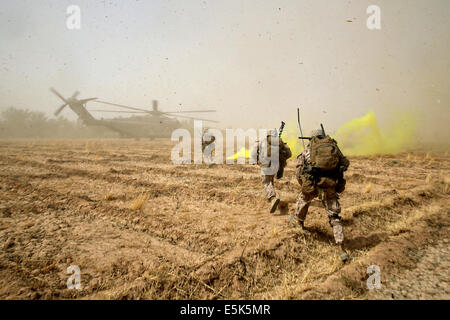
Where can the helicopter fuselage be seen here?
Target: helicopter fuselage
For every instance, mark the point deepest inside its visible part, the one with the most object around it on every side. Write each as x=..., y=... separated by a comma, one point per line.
x=133, y=127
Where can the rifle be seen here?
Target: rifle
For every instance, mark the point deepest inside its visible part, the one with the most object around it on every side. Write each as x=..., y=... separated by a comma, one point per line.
x=282, y=162
x=281, y=129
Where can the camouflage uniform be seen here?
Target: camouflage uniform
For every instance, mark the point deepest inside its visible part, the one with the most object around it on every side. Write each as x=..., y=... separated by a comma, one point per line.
x=328, y=196
x=271, y=167
x=267, y=181
x=208, y=144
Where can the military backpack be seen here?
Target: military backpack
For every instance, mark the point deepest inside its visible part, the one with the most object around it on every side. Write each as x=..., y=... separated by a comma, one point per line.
x=324, y=154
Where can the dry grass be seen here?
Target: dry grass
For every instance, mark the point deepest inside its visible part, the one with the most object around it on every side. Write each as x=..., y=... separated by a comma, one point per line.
x=110, y=196
x=407, y=221
x=322, y=260
x=139, y=202
x=444, y=182
x=207, y=232
x=368, y=188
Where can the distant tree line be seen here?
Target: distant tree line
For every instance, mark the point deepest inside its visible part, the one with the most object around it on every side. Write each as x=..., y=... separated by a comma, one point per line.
x=20, y=123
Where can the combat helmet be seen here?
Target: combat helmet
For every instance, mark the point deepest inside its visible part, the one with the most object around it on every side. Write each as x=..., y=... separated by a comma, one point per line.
x=317, y=133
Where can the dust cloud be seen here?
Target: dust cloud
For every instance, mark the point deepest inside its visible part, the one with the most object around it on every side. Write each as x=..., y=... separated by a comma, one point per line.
x=377, y=91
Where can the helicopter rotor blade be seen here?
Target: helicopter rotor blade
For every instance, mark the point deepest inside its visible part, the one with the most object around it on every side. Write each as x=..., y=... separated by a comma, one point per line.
x=192, y=118
x=60, y=109
x=75, y=94
x=58, y=95
x=153, y=111
x=120, y=111
x=191, y=111
x=83, y=101
x=126, y=107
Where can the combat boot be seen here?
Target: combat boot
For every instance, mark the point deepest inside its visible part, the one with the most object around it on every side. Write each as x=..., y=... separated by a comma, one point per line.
x=301, y=223
x=274, y=204
x=343, y=254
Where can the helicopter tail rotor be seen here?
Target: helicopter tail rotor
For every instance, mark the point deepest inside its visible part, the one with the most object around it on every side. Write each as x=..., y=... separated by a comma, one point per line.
x=62, y=98
x=60, y=109
x=58, y=95
x=71, y=101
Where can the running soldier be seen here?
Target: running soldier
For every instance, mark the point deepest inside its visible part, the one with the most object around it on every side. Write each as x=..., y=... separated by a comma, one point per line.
x=208, y=146
x=271, y=166
x=319, y=171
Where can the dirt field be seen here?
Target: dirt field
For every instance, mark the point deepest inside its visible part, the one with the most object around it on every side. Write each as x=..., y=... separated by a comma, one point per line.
x=140, y=227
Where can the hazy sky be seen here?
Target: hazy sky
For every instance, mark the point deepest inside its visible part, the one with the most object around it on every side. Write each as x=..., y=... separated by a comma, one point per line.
x=255, y=61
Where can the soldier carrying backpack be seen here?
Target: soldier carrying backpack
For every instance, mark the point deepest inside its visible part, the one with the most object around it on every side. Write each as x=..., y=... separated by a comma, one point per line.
x=271, y=154
x=319, y=171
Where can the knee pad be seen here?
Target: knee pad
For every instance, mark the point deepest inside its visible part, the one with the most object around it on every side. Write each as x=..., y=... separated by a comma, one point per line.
x=338, y=233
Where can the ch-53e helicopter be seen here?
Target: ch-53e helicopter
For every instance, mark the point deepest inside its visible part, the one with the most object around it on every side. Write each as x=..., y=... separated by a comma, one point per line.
x=153, y=124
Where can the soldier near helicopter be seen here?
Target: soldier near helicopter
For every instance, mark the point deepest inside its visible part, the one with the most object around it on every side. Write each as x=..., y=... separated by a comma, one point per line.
x=271, y=154
x=319, y=171
x=208, y=145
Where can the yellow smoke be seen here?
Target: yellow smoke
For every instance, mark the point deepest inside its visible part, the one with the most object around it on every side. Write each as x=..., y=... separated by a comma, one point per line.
x=243, y=153
x=290, y=136
x=363, y=136
x=359, y=136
